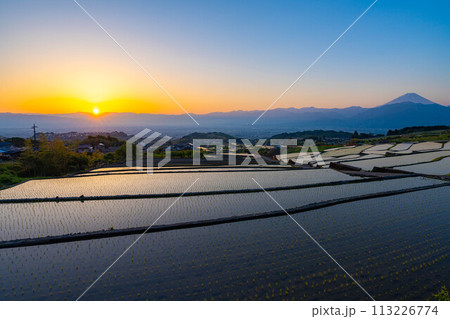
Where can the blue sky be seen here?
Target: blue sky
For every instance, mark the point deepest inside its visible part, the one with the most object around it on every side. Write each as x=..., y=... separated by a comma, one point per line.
x=224, y=55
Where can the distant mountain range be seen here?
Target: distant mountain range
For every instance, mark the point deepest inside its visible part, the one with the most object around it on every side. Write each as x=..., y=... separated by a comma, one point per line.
x=407, y=110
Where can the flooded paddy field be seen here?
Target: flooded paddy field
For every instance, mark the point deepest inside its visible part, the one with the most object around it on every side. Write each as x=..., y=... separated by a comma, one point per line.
x=394, y=256
x=392, y=237
x=409, y=159
x=166, y=183
x=30, y=220
x=438, y=167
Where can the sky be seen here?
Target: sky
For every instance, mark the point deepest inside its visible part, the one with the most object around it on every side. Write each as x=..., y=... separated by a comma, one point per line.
x=219, y=56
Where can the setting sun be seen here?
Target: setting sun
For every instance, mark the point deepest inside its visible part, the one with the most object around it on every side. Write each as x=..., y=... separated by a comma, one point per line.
x=95, y=111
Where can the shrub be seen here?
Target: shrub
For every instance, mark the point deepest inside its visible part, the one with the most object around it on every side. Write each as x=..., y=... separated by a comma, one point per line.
x=442, y=295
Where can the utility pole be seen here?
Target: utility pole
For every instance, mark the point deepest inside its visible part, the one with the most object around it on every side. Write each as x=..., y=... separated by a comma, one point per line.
x=35, y=144
x=34, y=127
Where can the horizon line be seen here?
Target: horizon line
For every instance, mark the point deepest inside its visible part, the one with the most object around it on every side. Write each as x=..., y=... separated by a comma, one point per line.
x=214, y=112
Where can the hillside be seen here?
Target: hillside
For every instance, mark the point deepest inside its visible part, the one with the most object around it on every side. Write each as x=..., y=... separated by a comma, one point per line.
x=418, y=129
x=316, y=134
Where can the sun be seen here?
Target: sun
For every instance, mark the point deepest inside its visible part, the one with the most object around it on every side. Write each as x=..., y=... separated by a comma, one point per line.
x=96, y=110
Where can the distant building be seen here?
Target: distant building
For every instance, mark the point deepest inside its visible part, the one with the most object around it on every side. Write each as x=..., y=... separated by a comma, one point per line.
x=9, y=151
x=101, y=147
x=5, y=146
x=82, y=148
x=182, y=147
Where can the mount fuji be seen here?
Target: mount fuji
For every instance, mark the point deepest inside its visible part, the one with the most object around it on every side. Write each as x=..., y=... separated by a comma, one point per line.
x=411, y=97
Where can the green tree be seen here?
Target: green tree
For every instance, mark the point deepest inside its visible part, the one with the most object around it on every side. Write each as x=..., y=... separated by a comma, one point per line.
x=43, y=143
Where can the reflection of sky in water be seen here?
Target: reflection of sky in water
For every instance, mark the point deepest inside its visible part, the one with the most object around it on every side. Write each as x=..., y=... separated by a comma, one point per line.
x=394, y=246
x=441, y=167
x=18, y=221
x=167, y=183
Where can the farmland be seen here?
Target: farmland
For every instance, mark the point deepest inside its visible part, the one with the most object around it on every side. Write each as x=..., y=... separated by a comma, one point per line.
x=224, y=151
x=441, y=166
x=392, y=236
x=164, y=183
x=18, y=221
x=401, y=256
x=409, y=159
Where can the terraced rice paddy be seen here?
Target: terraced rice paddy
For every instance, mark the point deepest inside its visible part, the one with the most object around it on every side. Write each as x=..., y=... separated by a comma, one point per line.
x=30, y=220
x=350, y=158
x=346, y=157
x=398, y=160
x=123, y=170
x=378, y=149
x=368, y=156
x=363, y=152
x=191, y=170
x=165, y=183
x=338, y=148
x=347, y=151
x=426, y=146
x=441, y=167
x=395, y=256
x=401, y=147
x=395, y=246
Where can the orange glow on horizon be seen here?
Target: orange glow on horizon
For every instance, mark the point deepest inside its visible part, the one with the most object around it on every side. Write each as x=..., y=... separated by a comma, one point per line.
x=64, y=105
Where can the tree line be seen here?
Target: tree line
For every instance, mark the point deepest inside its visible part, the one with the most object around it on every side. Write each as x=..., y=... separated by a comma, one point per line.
x=45, y=158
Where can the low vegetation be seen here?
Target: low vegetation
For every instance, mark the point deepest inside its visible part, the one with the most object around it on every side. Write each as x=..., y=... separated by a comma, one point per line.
x=410, y=135
x=9, y=174
x=160, y=153
x=418, y=129
x=442, y=295
x=320, y=147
